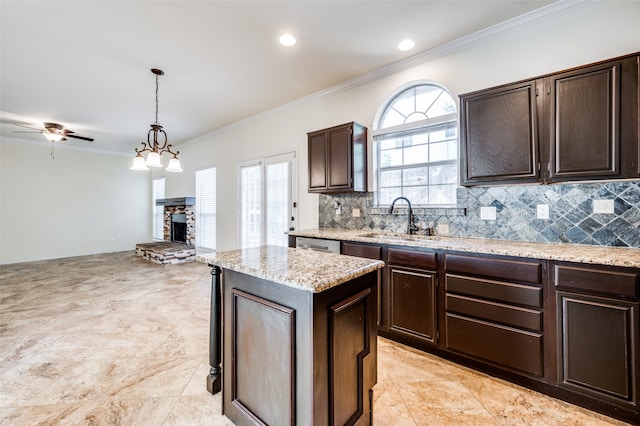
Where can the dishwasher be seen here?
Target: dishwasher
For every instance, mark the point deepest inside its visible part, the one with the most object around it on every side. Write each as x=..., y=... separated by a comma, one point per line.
x=317, y=244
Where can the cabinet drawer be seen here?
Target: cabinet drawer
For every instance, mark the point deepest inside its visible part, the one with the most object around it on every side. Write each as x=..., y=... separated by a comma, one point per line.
x=518, y=294
x=412, y=259
x=361, y=250
x=510, y=270
x=529, y=319
x=520, y=350
x=609, y=282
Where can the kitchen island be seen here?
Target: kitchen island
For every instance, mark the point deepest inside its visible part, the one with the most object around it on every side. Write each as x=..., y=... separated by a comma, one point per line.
x=298, y=332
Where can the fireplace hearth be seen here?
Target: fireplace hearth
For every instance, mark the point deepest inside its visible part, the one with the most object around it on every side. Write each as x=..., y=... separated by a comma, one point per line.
x=178, y=233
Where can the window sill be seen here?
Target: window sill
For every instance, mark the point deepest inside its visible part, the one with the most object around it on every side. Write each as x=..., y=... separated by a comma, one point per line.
x=422, y=211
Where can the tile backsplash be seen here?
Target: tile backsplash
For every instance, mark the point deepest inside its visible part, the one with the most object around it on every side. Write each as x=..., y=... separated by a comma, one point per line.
x=570, y=211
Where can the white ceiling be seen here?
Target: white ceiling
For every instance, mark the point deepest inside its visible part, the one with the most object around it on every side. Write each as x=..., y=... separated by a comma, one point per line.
x=86, y=64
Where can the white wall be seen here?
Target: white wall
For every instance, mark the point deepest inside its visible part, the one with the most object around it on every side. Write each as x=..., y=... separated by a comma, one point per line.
x=78, y=203
x=596, y=32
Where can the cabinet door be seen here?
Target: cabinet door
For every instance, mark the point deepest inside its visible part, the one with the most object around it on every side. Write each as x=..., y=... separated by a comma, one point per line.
x=598, y=345
x=339, y=152
x=317, y=147
x=584, y=116
x=499, y=137
x=413, y=304
x=371, y=252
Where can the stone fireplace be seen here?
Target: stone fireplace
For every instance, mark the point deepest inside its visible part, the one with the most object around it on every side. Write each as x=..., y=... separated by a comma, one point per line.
x=179, y=219
x=179, y=233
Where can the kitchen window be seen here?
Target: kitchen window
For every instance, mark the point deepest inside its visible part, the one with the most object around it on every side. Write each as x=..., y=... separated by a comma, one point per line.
x=267, y=200
x=206, y=209
x=158, y=211
x=416, y=147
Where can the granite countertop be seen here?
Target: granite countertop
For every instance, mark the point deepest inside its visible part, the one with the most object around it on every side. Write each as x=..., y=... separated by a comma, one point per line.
x=597, y=255
x=306, y=270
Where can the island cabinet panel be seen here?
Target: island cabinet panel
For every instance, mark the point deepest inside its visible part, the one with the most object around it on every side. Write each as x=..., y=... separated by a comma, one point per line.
x=338, y=159
x=598, y=323
x=263, y=333
x=293, y=357
x=409, y=296
x=349, y=346
x=494, y=311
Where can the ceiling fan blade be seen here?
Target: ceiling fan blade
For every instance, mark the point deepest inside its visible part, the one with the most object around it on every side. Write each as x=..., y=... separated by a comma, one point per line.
x=25, y=131
x=28, y=127
x=79, y=137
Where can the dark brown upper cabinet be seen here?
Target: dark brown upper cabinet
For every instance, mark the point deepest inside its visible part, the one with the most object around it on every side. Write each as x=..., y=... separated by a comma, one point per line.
x=573, y=125
x=338, y=159
x=499, y=134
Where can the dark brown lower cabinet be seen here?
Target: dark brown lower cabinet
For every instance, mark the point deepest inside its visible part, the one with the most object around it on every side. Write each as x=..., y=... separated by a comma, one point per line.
x=596, y=346
x=598, y=323
x=569, y=330
x=494, y=311
x=370, y=252
x=409, y=295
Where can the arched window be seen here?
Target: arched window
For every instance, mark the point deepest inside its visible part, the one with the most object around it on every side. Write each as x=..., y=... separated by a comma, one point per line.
x=416, y=139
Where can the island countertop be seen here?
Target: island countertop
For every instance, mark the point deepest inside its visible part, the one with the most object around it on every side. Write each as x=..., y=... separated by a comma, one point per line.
x=581, y=253
x=306, y=270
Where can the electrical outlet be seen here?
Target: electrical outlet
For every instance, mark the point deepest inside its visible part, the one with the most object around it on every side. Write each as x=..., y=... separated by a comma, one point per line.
x=488, y=213
x=355, y=212
x=542, y=211
x=443, y=228
x=603, y=206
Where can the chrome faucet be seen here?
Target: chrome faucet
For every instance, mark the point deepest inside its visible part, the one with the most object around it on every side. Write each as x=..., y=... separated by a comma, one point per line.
x=410, y=227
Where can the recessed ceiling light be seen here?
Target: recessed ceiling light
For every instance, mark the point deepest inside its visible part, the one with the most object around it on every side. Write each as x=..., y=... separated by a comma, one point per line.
x=406, y=44
x=287, y=40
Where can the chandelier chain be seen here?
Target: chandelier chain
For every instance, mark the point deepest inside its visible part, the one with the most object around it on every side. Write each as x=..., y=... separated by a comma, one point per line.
x=156, y=98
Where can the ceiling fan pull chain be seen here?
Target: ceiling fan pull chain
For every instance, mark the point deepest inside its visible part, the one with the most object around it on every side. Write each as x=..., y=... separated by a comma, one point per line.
x=52, y=153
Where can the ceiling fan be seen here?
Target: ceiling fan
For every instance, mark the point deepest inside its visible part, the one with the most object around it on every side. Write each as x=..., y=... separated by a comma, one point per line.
x=54, y=132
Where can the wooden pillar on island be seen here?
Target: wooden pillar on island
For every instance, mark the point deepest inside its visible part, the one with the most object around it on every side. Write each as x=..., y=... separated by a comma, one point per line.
x=214, y=378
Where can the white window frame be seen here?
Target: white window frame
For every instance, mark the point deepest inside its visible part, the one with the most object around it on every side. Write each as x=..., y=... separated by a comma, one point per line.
x=198, y=212
x=379, y=133
x=247, y=164
x=157, y=211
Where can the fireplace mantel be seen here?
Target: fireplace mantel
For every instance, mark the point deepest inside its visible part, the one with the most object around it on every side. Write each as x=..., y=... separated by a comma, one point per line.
x=173, y=202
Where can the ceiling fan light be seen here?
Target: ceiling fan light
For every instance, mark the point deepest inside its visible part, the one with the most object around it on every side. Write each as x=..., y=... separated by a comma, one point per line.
x=54, y=137
x=139, y=163
x=174, y=165
x=153, y=159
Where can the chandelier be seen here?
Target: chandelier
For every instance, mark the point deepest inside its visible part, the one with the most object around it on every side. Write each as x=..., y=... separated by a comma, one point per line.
x=153, y=145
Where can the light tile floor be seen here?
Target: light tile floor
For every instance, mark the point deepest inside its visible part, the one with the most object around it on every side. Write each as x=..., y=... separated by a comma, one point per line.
x=116, y=340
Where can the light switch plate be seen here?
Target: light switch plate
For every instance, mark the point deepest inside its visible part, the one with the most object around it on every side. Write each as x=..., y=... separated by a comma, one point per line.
x=603, y=206
x=542, y=211
x=355, y=212
x=488, y=213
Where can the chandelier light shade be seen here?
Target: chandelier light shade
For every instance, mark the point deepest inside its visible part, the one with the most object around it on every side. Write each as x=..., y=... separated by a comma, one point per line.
x=156, y=144
x=139, y=163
